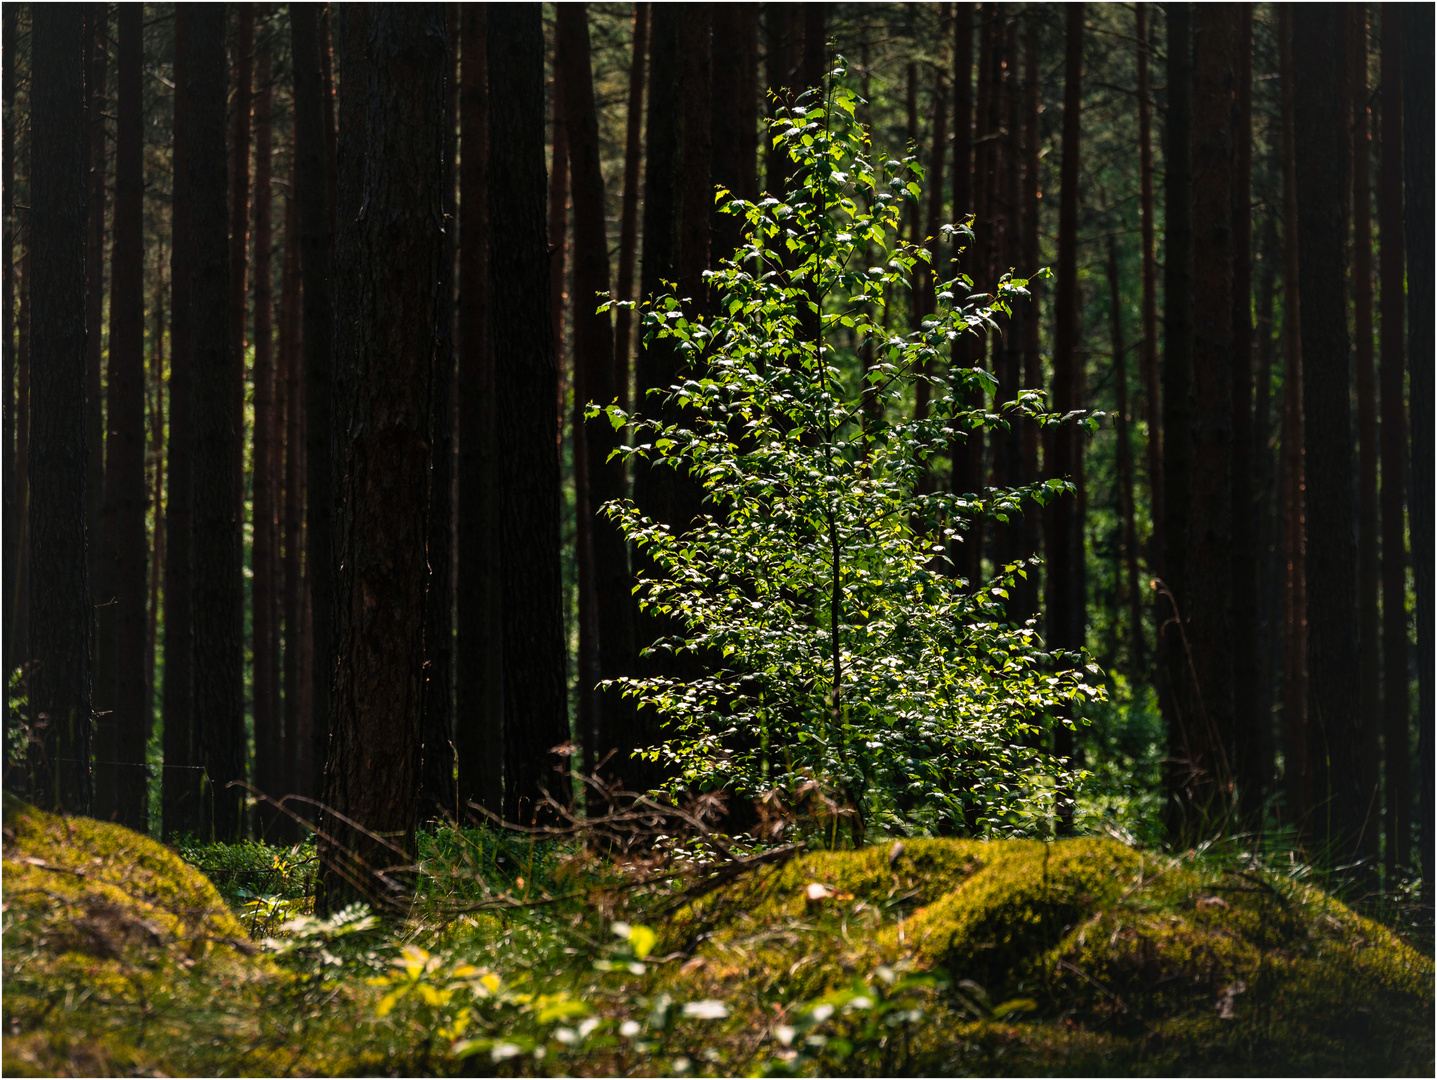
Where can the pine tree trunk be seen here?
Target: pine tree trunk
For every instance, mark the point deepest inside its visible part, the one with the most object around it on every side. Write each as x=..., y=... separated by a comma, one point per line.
x=59, y=610
x=13, y=498
x=268, y=734
x=384, y=571
x=297, y=771
x=1151, y=390
x=242, y=101
x=97, y=64
x=121, y=700
x=525, y=383
x=1027, y=605
x=219, y=700
x=629, y=213
x=479, y=730
x=1321, y=162
x=1396, y=650
x=1136, y=660
x=180, y=781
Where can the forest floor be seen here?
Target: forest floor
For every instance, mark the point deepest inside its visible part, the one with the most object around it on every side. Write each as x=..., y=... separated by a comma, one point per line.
x=922, y=957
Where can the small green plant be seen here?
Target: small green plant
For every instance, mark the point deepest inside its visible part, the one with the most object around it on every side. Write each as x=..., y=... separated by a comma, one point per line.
x=836, y=641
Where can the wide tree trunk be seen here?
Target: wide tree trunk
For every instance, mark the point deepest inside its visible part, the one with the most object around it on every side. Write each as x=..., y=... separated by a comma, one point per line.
x=58, y=685
x=535, y=698
x=218, y=670
x=479, y=708
x=1321, y=162
x=399, y=243
x=97, y=66
x=1396, y=651
x=317, y=271
x=121, y=694
x=1417, y=165
x=298, y=771
x=180, y=781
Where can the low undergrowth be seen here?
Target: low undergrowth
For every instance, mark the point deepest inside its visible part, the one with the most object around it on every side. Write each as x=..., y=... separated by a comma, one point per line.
x=529, y=956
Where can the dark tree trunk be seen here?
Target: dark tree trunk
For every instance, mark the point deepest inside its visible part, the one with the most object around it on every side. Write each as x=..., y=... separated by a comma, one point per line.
x=297, y=768
x=264, y=591
x=1249, y=715
x=317, y=271
x=1136, y=661
x=1268, y=500
x=219, y=690
x=1396, y=651
x=963, y=450
x=1297, y=748
x=1206, y=697
x=629, y=212
x=1065, y=547
x=696, y=196
x=384, y=571
x=437, y=784
x=97, y=65
x=610, y=585
x=13, y=498
x=1321, y=145
x=1032, y=360
x=479, y=731
x=60, y=612
x=783, y=39
x=242, y=103
x=180, y=781
x=1177, y=411
x=157, y=492
x=735, y=36
x=1417, y=94
x=525, y=381
x=121, y=697
x=932, y=235
x=1151, y=390
x=1369, y=654
x=558, y=228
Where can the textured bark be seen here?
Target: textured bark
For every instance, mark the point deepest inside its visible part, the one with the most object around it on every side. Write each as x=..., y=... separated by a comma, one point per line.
x=218, y=657
x=317, y=272
x=1369, y=650
x=297, y=768
x=609, y=585
x=927, y=293
x=1396, y=651
x=1065, y=545
x=157, y=490
x=12, y=495
x=1151, y=387
x=479, y=709
x=264, y=585
x=97, y=65
x=1322, y=149
x=1417, y=166
x=629, y=212
x=967, y=452
x=1206, y=699
x=733, y=120
x=376, y=742
x=180, y=781
x=558, y=229
x=437, y=780
x=1297, y=751
x=1176, y=392
x=121, y=698
x=60, y=613
x=535, y=706
x=1136, y=661
x=242, y=107
x=783, y=39
x=1027, y=606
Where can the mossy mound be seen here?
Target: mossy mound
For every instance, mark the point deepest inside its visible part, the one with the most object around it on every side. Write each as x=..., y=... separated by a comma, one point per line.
x=1072, y=957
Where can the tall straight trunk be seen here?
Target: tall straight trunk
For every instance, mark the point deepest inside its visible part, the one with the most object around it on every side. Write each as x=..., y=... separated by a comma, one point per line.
x=1248, y=712
x=317, y=274
x=962, y=450
x=180, y=780
x=1321, y=163
x=610, y=585
x=219, y=689
x=629, y=211
x=1136, y=661
x=242, y=104
x=525, y=380
x=932, y=236
x=97, y=65
x=696, y=195
x=21, y=625
x=1032, y=360
x=437, y=782
x=1268, y=494
x=297, y=770
x=13, y=498
x=1176, y=391
x=1065, y=544
x=1369, y=654
x=479, y=708
x=815, y=43
x=60, y=613
x=733, y=123
x=1206, y=699
x=558, y=227
x=384, y=569
x=121, y=698
x=1396, y=651
x=157, y=493
x=783, y=41
x=1417, y=93
x=1151, y=390
x=264, y=591
x=1297, y=748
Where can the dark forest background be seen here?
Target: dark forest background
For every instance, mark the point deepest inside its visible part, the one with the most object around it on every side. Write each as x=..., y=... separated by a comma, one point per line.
x=301, y=494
